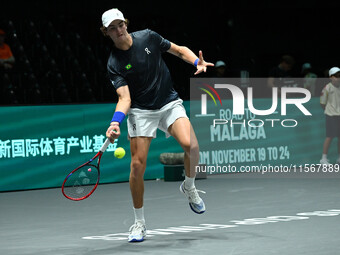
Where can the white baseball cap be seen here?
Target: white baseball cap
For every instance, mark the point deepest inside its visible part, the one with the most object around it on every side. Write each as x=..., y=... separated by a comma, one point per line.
x=333, y=71
x=111, y=15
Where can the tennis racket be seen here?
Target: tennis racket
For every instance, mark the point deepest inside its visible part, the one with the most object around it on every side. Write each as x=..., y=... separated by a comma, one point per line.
x=83, y=181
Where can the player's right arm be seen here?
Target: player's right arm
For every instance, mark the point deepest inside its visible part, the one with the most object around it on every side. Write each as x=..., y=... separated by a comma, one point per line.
x=123, y=106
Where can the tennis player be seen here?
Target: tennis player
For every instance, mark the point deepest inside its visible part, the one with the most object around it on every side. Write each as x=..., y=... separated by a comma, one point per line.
x=145, y=92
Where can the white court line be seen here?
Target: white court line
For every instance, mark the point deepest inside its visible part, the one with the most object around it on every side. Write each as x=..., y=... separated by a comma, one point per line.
x=205, y=227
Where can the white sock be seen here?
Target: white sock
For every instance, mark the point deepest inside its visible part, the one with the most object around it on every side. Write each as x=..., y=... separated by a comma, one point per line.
x=189, y=182
x=139, y=214
x=324, y=156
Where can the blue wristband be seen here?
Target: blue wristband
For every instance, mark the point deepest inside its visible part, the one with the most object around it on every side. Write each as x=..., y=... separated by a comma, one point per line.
x=195, y=63
x=118, y=117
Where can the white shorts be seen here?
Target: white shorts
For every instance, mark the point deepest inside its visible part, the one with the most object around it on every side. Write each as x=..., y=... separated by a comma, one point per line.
x=146, y=122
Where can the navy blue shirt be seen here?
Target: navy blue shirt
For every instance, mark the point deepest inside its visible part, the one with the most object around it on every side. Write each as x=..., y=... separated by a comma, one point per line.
x=143, y=69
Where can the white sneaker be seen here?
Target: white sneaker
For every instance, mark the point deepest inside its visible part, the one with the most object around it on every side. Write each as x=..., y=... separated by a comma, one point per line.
x=196, y=203
x=325, y=162
x=137, y=232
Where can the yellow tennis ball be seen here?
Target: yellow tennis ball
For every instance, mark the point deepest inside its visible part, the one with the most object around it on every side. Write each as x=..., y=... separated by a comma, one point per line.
x=119, y=152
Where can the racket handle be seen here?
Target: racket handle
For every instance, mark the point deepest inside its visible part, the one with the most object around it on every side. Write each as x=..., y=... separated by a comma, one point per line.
x=105, y=145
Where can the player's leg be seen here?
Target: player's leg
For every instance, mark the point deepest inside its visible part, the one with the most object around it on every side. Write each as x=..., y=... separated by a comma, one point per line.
x=142, y=128
x=139, y=151
x=183, y=132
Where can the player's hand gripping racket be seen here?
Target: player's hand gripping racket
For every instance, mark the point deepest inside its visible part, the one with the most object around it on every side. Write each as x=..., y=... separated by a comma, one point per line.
x=83, y=181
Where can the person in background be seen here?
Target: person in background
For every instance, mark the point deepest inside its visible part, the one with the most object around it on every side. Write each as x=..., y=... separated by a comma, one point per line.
x=7, y=59
x=330, y=102
x=220, y=69
x=309, y=78
x=281, y=75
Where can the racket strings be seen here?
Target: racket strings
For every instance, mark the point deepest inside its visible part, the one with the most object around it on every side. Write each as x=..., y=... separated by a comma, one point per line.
x=81, y=182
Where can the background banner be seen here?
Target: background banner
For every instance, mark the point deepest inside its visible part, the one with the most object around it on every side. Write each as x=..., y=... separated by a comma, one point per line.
x=40, y=145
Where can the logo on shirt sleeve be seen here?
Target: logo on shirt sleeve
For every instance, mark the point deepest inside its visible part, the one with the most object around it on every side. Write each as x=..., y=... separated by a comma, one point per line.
x=128, y=66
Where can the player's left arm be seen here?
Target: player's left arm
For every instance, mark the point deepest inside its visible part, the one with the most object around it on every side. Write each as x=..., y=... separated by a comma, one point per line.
x=188, y=56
